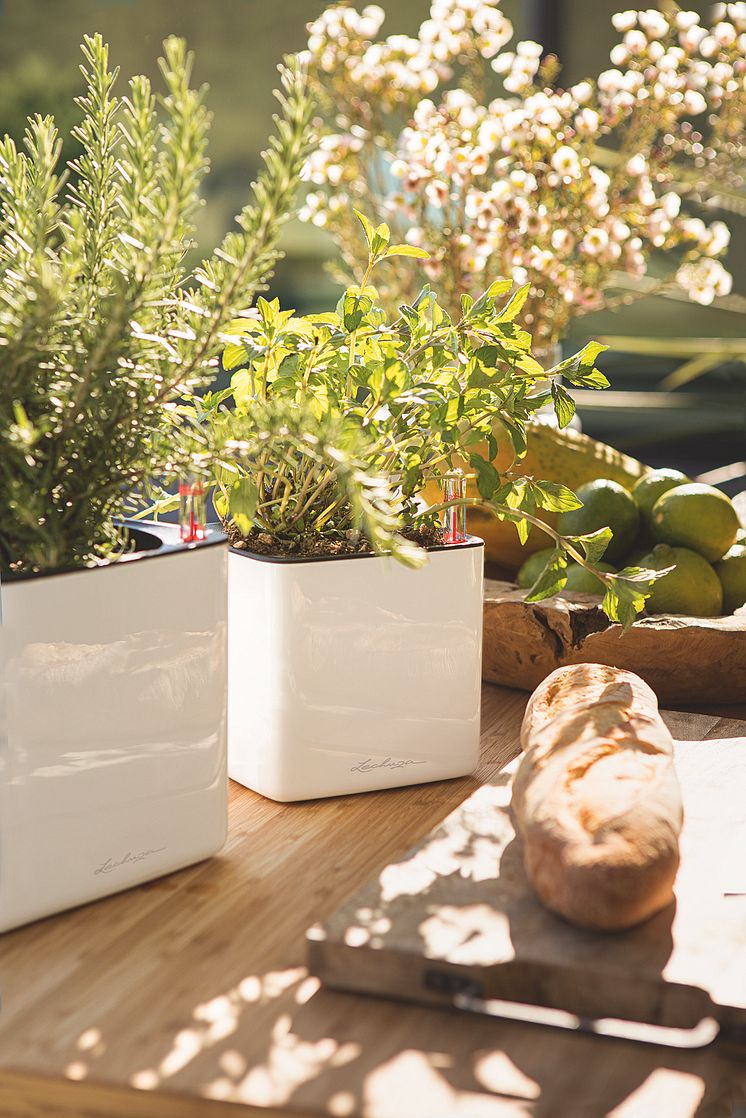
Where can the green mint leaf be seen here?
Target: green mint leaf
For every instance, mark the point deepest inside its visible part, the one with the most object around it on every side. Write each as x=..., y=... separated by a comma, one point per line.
x=628, y=591
x=523, y=527
x=488, y=479
x=594, y=544
x=623, y=601
x=579, y=369
x=554, y=497
x=564, y=405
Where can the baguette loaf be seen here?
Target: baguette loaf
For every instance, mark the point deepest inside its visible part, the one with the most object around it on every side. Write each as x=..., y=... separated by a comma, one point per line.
x=596, y=801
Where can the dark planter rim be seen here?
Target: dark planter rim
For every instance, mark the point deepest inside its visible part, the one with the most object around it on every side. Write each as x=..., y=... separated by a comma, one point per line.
x=153, y=541
x=291, y=560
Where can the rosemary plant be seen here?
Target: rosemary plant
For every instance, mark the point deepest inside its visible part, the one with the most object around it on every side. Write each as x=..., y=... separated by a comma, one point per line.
x=339, y=424
x=102, y=328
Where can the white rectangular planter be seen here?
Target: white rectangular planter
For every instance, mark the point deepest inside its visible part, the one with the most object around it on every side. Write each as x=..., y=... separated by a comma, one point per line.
x=353, y=673
x=112, y=752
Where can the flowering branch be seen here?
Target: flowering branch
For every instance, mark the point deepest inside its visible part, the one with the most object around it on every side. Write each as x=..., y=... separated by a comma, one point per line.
x=561, y=188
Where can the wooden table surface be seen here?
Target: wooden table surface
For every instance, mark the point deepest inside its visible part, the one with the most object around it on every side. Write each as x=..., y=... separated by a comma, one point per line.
x=180, y=997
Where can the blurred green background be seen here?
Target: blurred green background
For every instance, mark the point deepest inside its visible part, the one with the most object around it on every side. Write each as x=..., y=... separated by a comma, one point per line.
x=238, y=44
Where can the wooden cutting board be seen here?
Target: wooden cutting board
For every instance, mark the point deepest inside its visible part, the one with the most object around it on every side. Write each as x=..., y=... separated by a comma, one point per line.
x=457, y=916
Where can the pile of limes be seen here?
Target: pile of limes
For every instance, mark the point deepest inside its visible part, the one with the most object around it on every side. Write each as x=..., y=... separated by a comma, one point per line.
x=665, y=521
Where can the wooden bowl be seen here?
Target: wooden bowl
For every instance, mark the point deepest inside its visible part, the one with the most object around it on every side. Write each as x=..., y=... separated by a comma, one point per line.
x=689, y=661
x=692, y=660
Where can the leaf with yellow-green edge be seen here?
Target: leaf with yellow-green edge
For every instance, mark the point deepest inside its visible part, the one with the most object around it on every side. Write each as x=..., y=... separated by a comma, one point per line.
x=406, y=250
x=243, y=499
x=220, y=501
x=552, y=578
x=594, y=544
x=564, y=405
x=367, y=227
x=236, y=355
x=627, y=591
x=381, y=237
x=514, y=305
x=244, y=386
x=326, y=318
x=237, y=327
x=552, y=496
x=300, y=326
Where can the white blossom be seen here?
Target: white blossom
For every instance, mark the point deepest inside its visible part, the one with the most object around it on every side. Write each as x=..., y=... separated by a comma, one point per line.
x=582, y=92
x=694, y=102
x=653, y=23
x=587, y=122
x=635, y=42
x=636, y=165
x=671, y=204
x=724, y=34
x=703, y=280
x=594, y=242
x=692, y=37
x=566, y=162
x=610, y=81
x=686, y=20
x=528, y=49
x=624, y=21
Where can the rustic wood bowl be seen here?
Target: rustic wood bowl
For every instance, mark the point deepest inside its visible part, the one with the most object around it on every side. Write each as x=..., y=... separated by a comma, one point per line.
x=692, y=660
x=688, y=661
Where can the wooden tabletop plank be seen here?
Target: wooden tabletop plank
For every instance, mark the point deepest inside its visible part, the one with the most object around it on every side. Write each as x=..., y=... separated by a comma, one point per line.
x=194, y=988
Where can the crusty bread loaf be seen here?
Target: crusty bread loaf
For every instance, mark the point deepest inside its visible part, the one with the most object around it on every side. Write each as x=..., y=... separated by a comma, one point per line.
x=596, y=801
x=581, y=686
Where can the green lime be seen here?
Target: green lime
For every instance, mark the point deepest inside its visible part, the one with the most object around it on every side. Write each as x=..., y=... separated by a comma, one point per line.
x=605, y=505
x=583, y=582
x=696, y=516
x=643, y=545
x=533, y=567
x=731, y=570
x=692, y=588
x=653, y=485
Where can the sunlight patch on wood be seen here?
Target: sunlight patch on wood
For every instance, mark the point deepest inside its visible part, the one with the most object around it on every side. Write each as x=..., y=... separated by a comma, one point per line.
x=655, y=1094
x=466, y=935
x=496, y=1072
x=468, y=845
x=77, y=1070
x=291, y=1063
x=146, y=1080
x=89, y=1039
x=410, y=1084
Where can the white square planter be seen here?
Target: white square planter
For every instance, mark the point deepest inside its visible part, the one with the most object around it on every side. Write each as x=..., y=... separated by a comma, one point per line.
x=353, y=673
x=112, y=744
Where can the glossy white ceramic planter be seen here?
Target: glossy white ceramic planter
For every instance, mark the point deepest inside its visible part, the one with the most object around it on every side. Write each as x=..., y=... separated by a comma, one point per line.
x=354, y=673
x=112, y=753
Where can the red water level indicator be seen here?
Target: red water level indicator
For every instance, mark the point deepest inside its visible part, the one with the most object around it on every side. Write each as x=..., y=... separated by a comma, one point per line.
x=192, y=520
x=454, y=517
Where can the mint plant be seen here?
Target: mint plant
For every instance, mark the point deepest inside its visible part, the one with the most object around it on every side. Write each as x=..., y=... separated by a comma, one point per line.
x=103, y=329
x=336, y=427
